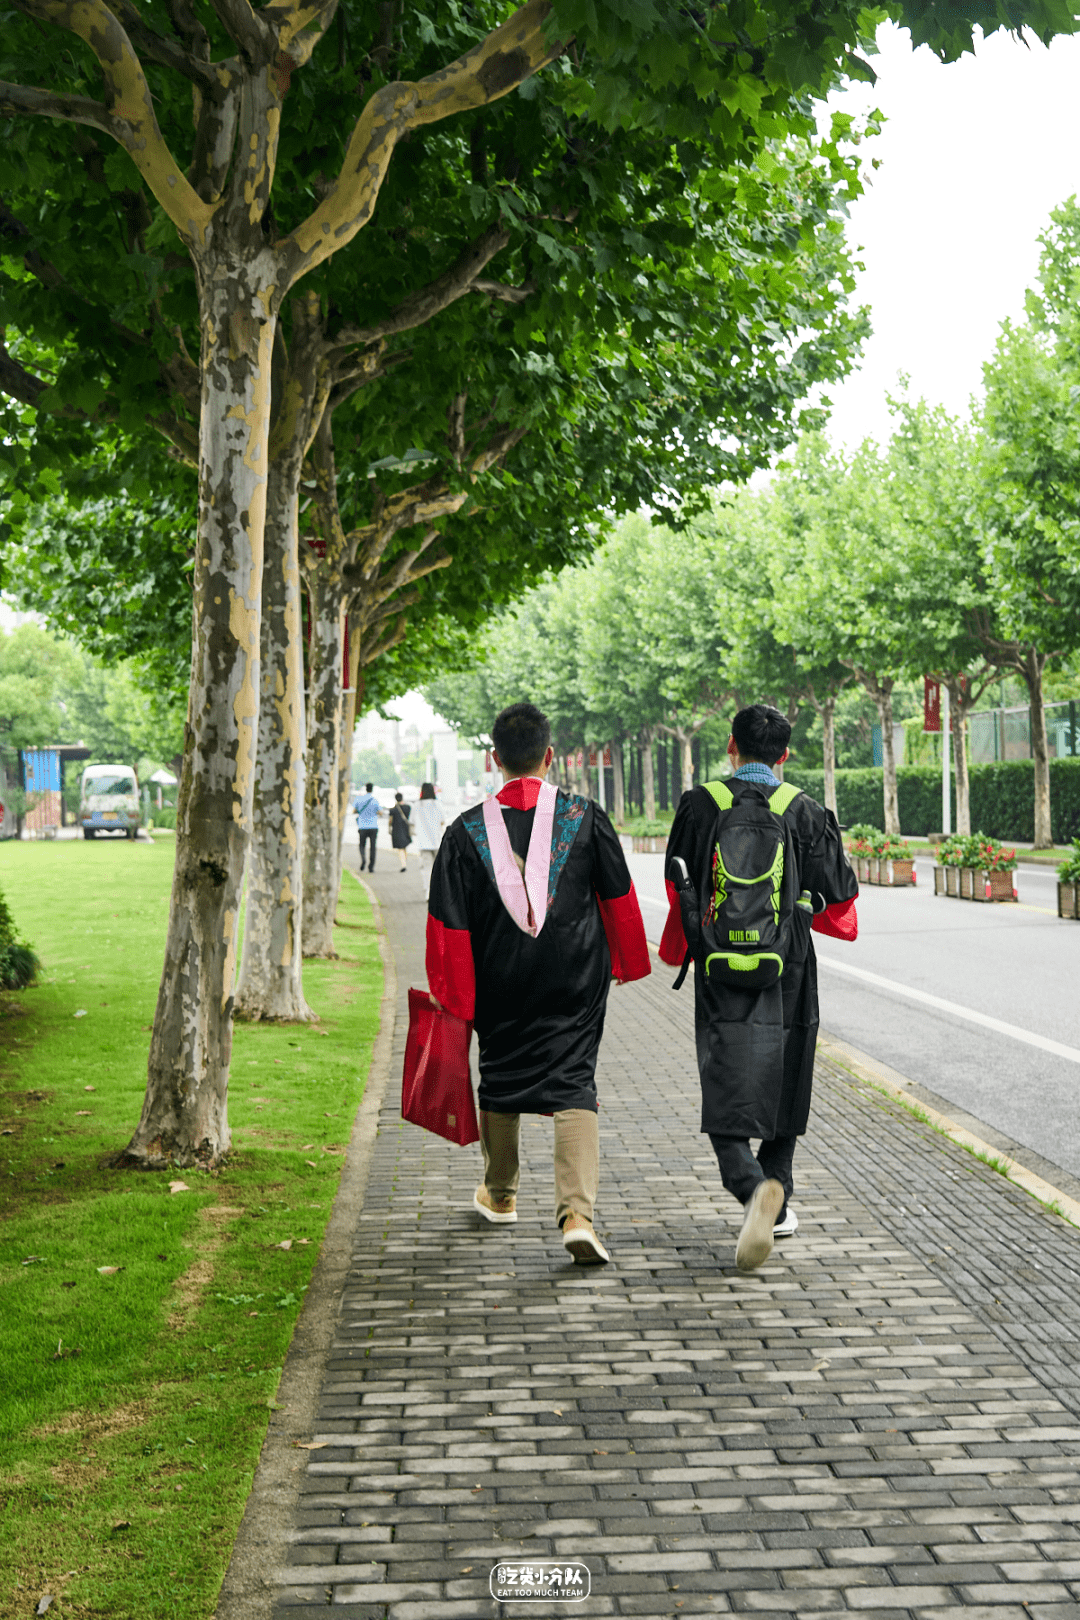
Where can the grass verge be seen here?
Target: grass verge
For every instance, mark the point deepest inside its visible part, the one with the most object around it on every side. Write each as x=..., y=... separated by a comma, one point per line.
x=143, y=1330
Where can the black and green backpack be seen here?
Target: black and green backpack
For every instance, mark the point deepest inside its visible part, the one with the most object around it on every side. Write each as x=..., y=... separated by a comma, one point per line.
x=739, y=912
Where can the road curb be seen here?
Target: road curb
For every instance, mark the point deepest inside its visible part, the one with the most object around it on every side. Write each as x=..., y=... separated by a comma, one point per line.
x=248, y=1591
x=881, y=1078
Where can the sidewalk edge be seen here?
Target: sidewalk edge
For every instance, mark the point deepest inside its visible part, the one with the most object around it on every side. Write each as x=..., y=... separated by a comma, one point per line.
x=249, y=1590
x=872, y=1073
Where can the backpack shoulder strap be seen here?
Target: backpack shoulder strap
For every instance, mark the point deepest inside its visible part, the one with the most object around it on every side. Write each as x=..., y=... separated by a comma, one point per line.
x=783, y=797
x=721, y=793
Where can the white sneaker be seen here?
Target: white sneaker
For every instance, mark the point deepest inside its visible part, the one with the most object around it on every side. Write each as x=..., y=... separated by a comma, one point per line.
x=788, y=1226
x=756, y=1238
x=582, y=1242
x=500, y=1214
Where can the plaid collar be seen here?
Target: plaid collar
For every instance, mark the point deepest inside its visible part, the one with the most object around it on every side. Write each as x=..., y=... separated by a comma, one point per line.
x=757, y=771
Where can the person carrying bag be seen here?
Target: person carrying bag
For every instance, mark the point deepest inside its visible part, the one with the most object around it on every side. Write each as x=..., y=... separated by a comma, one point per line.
x=400, y=835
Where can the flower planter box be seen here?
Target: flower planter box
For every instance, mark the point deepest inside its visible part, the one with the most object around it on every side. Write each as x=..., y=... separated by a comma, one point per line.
x=992, y=886
x=969, y=883
x=889, y=874
x=898, y=874
x=647, y=845
x=1069, y=900
x=863, y=864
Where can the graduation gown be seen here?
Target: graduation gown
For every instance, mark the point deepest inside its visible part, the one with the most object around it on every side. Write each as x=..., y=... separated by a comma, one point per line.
x=537, y=1003
x=755, y=1049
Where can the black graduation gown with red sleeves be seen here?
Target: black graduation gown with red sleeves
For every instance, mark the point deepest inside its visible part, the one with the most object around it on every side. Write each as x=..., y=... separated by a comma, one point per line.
x=755, y=1049
x=537, y=1003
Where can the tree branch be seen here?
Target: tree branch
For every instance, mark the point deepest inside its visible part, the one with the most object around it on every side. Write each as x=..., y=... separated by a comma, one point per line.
x=508, y=295
x=158, y=48
x=290, y=20
x=509, y=55
x=129, y=110
x=187, y=25
x=438, y=295
x=17, y=99
x=374, y=648
x=247, y=29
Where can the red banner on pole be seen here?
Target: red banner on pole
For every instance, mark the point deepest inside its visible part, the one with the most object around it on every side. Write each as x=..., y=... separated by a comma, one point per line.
x=931, y=704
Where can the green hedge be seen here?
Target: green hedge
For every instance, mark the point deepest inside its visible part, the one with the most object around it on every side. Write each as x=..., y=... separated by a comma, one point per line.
x=162, y=818
x=1002, y=798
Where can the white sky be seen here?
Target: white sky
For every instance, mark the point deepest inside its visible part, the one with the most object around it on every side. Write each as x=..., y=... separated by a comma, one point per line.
x=974, y=156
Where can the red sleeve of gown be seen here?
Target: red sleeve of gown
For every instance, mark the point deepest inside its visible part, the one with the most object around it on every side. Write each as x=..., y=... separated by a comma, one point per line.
x=839, y=920
x=673, y=940
x=625, y=932
x=450, y=971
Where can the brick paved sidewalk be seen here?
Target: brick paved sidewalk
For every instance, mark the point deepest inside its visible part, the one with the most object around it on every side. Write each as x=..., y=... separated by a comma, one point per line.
x=884, y=1417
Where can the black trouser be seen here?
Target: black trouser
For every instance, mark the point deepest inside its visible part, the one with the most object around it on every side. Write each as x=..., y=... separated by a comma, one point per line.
x=741, y=1172
x=365, y=834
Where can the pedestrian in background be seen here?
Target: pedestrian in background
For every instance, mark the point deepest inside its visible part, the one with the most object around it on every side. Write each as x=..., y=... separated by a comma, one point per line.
x=367, y=824
x=531, y=915
x=429, y=819
x=400, y=836
x=752, y=866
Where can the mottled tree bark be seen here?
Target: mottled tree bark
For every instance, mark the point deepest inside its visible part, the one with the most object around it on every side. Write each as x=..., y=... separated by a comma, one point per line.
x=1034, y=666
x=883, y=699
x=619, y=781
x=326, y=605
x=828, y=750
x=959, y=708
x=184, y=1117
x=270, y=986
x=648, y=772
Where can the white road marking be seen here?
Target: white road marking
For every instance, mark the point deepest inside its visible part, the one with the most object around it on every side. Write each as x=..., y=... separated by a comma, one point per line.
x=1029, y=1038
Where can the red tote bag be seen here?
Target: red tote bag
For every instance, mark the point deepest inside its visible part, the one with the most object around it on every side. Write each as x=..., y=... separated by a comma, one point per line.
x=436, y=1090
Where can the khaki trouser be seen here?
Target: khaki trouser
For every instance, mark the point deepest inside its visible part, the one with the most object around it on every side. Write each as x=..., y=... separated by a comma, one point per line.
x=577, y=1158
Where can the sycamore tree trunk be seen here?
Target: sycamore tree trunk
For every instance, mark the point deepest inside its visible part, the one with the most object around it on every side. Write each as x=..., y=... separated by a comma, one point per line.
x=959, y=708
x=350, y=708
x=686, y=749
x=648, y=773
x=326, y=607
x=584, y=780
x=888, y=757
x=618, y=781
x=684, y=736
x=1032, y=669
x=270, y=986
x=185, y=1118
x=827, y=710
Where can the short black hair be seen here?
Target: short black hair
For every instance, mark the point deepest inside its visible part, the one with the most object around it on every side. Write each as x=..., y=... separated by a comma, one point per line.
x=521, y=735
x=761, y=732
x=399, y=798
x=368, y=787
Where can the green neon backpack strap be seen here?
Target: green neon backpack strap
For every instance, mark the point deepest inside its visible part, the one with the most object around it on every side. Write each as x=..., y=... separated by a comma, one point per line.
x=722, y=794
x=783, y=797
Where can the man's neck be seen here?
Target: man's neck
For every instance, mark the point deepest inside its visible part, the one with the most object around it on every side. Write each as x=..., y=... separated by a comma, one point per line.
x=522, y=776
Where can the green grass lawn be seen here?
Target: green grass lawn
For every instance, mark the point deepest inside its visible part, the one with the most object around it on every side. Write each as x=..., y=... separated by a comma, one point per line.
x=142, y=1331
